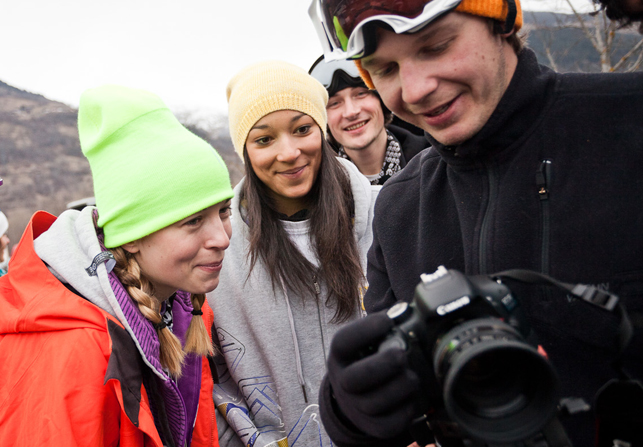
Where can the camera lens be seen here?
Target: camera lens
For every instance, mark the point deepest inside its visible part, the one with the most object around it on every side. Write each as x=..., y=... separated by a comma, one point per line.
x=497, y=387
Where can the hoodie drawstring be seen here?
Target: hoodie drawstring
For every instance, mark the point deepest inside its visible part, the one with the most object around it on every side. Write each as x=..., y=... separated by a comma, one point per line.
x=300, y=372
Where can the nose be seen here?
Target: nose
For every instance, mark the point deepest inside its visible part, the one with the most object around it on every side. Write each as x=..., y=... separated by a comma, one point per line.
x=288, y=150
x=351, y=108
x=219, y=233
x=416, y=82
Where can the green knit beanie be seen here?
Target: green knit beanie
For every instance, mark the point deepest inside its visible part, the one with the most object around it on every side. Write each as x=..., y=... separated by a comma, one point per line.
x=148, y=170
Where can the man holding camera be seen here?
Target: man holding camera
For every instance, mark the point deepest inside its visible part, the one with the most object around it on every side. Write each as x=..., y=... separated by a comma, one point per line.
x=529, y=169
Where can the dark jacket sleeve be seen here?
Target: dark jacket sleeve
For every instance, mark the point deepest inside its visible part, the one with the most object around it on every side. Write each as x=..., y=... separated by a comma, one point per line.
x=393, y=242
x=379, y=295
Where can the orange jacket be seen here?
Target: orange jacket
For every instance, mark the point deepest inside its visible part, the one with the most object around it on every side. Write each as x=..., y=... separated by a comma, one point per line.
x=55, y=347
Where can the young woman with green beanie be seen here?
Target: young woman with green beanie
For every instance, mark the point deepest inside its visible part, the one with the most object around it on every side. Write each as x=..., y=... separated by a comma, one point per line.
x=104, y=329
x=294, y=271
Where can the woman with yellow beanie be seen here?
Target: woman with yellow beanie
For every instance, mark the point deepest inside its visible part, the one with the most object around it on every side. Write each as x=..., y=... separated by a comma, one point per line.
x=104, y=329
x=295, y=267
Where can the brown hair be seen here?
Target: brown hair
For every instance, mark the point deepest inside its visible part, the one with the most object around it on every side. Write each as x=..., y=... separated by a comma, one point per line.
x=517, y=42
x=617, y=10
x=331, y=212
x=142, y=292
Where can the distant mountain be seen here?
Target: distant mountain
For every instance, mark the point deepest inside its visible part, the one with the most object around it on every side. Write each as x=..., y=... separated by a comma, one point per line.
x=41, y=163
x=544, y=18
x=43, y=167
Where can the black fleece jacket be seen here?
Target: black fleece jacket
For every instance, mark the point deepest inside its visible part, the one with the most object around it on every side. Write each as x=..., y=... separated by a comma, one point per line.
x=480, y=207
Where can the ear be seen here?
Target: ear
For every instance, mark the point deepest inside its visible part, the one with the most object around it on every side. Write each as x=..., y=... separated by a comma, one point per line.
x=131, y=247
x=506, y=35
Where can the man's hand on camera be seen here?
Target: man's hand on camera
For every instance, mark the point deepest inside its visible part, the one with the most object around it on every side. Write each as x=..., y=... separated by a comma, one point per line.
x=373, y=390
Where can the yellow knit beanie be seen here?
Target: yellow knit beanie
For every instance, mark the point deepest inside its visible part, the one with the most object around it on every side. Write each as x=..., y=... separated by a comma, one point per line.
x=267, y=87
x=493, y=9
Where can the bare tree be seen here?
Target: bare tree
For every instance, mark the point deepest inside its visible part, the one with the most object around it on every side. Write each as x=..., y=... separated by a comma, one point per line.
x=600, y=32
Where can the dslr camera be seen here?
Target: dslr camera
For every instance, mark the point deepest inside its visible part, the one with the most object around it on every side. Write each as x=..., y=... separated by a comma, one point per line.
x=483, y=378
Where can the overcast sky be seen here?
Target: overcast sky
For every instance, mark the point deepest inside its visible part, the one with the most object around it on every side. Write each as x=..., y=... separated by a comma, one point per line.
x=183, y=50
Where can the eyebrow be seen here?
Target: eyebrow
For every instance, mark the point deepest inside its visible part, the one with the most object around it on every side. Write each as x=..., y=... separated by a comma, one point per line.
x=266, y=126
x=421, y=38
x=296, y=118
x=437, y=29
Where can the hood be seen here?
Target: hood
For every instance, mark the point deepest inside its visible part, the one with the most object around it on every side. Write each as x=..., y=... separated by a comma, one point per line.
x=34, y=298
x=35, y=301
x=74, y=255
x=71, y=243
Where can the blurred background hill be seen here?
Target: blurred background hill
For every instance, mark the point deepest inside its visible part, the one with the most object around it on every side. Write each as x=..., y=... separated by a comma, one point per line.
x=560, y=42
x=43, y=167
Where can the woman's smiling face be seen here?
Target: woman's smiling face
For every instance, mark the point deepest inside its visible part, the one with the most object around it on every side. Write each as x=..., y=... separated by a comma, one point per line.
x=186, y=255
x=285, y=151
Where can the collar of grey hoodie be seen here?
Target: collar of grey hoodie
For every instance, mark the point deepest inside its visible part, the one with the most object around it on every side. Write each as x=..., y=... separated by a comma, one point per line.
x=68, y=247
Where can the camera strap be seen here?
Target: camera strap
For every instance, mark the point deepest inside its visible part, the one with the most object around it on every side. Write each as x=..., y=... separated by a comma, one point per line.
x=590, y=294
x=618, y=405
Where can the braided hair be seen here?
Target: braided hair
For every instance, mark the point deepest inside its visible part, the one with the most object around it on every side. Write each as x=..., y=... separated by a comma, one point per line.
x=141, y=290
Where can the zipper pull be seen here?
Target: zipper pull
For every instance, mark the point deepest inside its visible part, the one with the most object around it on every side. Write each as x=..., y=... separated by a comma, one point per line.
x=542, y=177
x=316, y=284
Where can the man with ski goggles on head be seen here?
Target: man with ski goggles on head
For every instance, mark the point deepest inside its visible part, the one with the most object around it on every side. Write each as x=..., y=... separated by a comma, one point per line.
x=529, y=169
x=360, y=126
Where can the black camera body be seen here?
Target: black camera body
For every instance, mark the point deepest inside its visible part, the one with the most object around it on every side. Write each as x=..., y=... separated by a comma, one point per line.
x=482, y=375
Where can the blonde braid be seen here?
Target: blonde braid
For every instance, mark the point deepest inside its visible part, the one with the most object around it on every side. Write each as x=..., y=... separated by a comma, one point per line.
x=140, y=289
x=197, y=339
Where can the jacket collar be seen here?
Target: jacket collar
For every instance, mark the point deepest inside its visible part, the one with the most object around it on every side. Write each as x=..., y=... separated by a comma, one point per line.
x=517, y=112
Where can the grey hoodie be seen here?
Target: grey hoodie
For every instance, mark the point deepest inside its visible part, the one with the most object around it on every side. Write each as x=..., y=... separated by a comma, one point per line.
x=274, y=344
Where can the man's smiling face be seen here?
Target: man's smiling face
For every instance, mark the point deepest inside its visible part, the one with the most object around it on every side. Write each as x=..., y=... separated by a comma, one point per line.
x=447, y=78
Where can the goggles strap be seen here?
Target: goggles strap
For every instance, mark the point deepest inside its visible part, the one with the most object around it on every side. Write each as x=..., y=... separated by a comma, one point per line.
x=511, y=17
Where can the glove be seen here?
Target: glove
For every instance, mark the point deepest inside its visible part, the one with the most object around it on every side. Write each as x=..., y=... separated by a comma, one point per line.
x=373, y=391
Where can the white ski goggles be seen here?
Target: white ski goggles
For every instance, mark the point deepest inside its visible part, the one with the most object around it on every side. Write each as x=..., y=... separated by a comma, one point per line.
x=340, y=23
x=326, y=72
